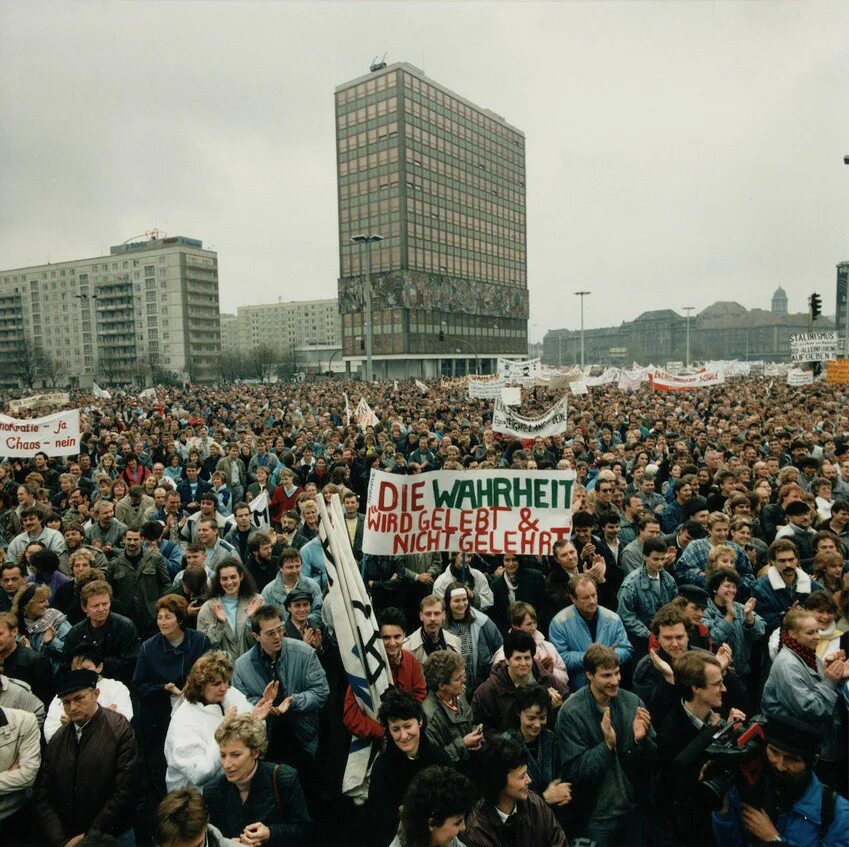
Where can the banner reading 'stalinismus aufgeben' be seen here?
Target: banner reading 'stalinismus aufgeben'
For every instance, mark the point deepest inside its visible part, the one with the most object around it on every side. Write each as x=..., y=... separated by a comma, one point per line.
x=488, y=511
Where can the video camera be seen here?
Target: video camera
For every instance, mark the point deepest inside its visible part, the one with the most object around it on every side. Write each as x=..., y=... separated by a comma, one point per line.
x=736, y=756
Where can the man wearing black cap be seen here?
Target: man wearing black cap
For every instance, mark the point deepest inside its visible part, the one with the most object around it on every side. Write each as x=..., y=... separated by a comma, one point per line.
x=800, y=532
x=796, y=809
x=88, y=777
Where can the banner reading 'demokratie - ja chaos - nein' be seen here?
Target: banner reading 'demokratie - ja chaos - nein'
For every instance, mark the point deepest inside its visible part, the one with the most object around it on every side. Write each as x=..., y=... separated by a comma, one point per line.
x=490, y=511
x=55, y=435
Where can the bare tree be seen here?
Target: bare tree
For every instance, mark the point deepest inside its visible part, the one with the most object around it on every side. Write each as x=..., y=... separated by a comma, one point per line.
x=291, y=365
x=261, y=362
x=230, y=366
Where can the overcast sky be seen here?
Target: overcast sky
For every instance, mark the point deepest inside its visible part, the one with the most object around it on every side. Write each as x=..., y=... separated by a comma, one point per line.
x=677, y=153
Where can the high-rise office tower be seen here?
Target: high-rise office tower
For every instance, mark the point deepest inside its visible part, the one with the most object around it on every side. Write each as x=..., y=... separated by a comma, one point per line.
x=442, y=181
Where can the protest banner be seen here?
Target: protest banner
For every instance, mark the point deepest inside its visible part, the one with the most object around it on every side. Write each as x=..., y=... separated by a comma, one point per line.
x=663, y=381
x=490, y=512
x=518, y=371
x=508, y=422
x=260, y=514
x=609, y=375
x=837, y=372
x=511, y=395
x=629, y=380
x=347, y=409
x=799, y=377
x=578, y=388
x=813, y=346
x=358, y=638
x=772, y=370
x=485, y=389
x=99, y=392
x=38, y=401
x=55, y=435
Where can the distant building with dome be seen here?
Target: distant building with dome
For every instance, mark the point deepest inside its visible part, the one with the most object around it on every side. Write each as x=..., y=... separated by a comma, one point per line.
x=723, y=330
x=779, y=302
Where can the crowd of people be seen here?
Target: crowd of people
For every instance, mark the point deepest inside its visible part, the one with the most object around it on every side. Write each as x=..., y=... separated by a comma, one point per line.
x=675, y=673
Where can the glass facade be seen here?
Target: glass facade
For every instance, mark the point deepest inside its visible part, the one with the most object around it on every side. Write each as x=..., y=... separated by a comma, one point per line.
x=443, y=182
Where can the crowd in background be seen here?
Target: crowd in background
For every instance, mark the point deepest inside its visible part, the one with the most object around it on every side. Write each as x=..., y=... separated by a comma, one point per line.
x=170, y=671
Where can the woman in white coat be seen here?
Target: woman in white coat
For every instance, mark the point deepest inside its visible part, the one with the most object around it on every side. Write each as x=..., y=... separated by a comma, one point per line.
x=191, y=751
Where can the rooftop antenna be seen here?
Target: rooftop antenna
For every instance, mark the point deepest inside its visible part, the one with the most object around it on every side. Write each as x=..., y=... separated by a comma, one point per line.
x=378, y=64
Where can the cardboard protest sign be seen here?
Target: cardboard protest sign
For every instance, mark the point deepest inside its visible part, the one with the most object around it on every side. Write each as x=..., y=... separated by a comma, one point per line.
x=837, y=372
x=490, y=511
x=508, y=422
x=55, y=435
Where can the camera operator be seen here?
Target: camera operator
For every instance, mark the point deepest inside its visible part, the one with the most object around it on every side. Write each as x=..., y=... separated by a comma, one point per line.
x=683, y=812
x=795, y=808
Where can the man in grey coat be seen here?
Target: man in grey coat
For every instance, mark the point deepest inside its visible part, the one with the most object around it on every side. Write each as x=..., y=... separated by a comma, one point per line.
x=607, y=747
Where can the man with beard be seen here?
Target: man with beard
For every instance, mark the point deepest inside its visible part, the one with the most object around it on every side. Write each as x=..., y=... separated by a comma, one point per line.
x=802, y=812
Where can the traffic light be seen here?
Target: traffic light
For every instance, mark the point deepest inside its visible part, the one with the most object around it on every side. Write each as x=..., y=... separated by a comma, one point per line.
x=815, y=302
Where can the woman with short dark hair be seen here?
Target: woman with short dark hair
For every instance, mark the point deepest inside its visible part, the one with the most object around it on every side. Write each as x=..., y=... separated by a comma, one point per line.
x=408, y=751
x=434, y=809
x=165, y=660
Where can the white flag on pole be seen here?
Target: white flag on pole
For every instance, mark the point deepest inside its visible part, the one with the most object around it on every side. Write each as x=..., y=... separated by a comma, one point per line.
x=358, y=637
x=260, y=515
x=99, y=392
x=421, y=386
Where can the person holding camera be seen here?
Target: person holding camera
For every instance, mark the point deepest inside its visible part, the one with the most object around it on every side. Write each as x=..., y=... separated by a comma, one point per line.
x=683, y=813
x=795, y=807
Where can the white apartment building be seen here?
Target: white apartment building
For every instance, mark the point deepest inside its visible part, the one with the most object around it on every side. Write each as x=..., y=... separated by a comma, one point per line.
x=148, y=306
x=299, y=323
x=229, y=333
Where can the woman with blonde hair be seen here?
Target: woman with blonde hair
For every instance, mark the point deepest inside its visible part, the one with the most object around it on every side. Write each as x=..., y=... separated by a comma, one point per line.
x=254, y=801
x=191, y=752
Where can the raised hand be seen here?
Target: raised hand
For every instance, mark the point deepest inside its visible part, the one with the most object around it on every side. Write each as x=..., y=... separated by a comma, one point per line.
x=662, y=666
x=218, y=611
x=724, y=656
x=749, y=610
x=642, y=724
x=284, y=706
x=254, y=605
x=271, y=691
x=607, y=729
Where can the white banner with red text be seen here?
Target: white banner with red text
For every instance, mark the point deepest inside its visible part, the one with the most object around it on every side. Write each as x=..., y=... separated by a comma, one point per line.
x=488, y=512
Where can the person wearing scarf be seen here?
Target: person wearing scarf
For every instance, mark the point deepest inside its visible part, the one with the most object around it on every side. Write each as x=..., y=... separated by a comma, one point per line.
x=44, y=627
x=800, y=687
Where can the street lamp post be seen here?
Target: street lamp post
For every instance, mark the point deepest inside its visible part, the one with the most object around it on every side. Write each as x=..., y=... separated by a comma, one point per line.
x=367, y=239
x=688, y=309
x=582, y=294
